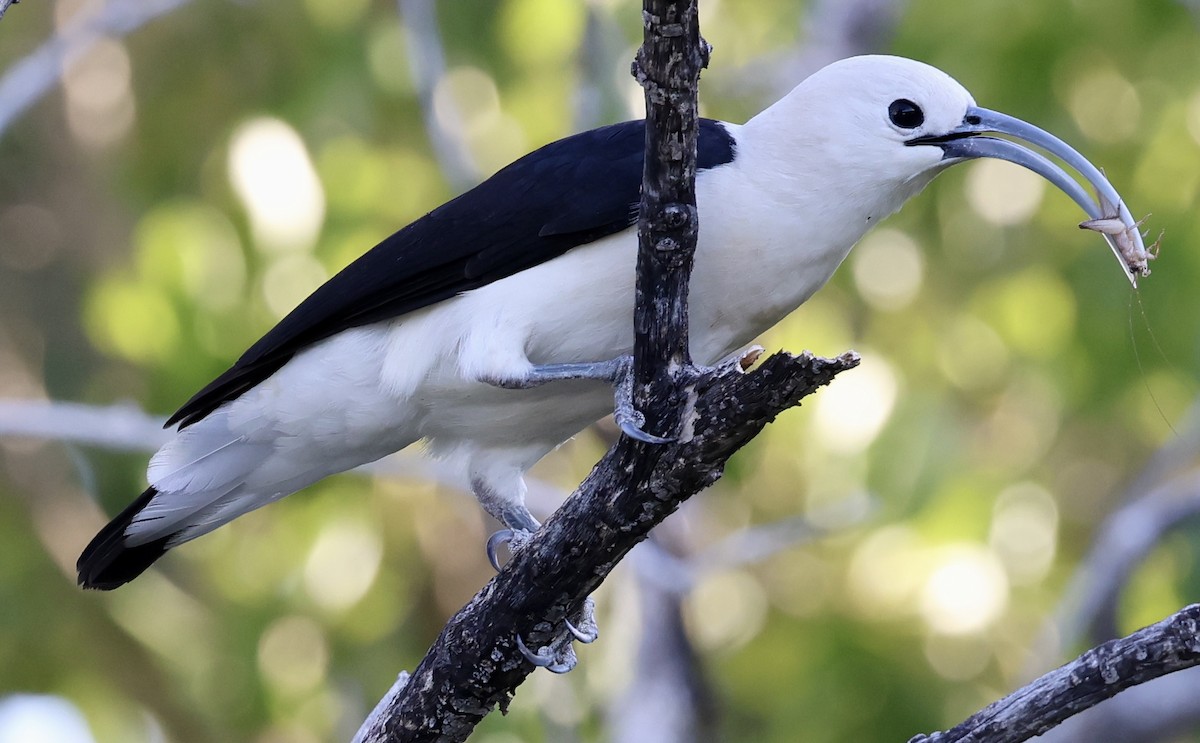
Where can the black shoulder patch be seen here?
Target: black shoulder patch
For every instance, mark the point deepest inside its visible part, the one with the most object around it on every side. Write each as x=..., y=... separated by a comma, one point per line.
x=716, y=145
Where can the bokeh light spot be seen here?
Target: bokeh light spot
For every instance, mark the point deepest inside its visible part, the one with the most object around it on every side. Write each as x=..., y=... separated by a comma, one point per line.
x=971, y=354
x=1003, y=193
x=851, y=412
x=387, y=56
x=541, y=32
x=100, y=105
x=133, y=321
x=726, y=609
x=289, y=280
x=1034, y=311
x=1105, y=106
x=957, y=657
x=31, y=718
x=885, y=572
x=293, y=654
x=888, y=269
x=192, y=247
x=274, y=177
x=966, y=592
x=467, y=103
x=1024, y=532
x=342, y=564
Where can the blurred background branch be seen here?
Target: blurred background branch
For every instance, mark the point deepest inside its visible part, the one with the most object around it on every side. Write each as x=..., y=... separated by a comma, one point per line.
x=27, y=80
x=427, y=60
x=1162, y=497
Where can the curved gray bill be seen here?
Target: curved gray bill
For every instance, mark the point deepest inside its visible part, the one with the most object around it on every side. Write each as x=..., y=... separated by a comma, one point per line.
x=1109, y=216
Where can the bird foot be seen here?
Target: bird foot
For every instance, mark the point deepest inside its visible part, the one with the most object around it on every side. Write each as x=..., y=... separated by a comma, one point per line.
x=628, y=418
x=559, y=655
x=584, y=628
x=618, y=372
x=514, y=538
x=503, y=536
x=560, y=659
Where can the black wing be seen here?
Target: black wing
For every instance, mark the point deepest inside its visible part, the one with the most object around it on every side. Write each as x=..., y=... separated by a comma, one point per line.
x=568, y=193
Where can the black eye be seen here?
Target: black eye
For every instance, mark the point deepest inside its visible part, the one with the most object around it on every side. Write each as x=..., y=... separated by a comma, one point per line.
x=906, y=114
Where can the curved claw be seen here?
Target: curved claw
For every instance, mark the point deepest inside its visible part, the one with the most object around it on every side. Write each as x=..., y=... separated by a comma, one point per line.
x=542, y=661
x=503, y=536
x=585, y=637
x=631, y=429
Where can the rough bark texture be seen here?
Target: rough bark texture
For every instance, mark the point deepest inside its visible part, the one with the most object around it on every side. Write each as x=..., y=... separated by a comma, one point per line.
x=475, y=666
x=668, y=67
x=1102, y=672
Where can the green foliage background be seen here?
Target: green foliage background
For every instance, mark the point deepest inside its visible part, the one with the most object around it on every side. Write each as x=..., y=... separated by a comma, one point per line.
x=1012, y=383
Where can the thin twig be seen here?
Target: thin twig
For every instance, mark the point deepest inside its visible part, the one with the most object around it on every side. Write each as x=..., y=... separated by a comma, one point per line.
x=1123, y=541
x=123, y=427
x=1160, y=710
x=1102, y=672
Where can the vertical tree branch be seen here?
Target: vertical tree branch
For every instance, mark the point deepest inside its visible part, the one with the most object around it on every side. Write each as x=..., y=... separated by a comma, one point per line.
x=668, y=66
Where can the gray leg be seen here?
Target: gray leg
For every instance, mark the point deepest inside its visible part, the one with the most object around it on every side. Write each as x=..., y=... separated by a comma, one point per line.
x=509, y=507
x=618, y=372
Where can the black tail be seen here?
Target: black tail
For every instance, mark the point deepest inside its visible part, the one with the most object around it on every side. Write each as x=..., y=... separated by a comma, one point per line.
x=107, y=563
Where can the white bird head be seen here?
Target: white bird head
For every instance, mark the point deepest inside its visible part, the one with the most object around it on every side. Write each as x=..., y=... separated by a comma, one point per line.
x=885, y=126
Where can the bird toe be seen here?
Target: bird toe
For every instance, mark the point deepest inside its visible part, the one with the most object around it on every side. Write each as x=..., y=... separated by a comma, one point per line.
x=555, y=657
x=584, y=628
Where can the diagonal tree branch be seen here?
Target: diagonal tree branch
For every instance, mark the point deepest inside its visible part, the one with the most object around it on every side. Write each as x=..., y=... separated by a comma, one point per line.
x=1102, y=672
x=1165, y=709
x=475, y=665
